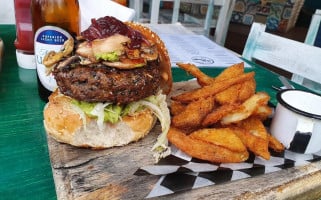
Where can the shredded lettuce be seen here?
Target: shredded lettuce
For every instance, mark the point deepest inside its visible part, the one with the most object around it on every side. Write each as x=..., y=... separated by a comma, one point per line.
x=107, y=112
x=81, y=114
x=104, y=112
x=159, y=107
x=99, y=112
x=131, y=108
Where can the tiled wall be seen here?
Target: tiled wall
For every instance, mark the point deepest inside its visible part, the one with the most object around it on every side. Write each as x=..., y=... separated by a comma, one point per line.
x=280, y=15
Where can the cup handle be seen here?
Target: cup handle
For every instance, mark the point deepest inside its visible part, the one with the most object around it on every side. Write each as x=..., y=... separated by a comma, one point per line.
x=302, y=135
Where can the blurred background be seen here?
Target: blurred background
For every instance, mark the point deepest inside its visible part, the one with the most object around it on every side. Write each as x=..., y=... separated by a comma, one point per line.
x=245, y=12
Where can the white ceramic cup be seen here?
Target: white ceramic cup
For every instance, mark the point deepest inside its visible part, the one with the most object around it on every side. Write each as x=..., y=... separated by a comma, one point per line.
x=297, y=121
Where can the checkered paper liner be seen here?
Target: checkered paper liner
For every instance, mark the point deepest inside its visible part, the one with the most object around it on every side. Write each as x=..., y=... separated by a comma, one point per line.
x=180, y=172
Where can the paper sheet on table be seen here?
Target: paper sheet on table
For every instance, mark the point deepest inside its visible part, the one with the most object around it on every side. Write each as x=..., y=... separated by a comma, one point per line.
x=180, y=172
x=198, y=50
x=101, y=8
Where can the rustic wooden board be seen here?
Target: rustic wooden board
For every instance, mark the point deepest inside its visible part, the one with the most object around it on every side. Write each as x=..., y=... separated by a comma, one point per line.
x=108, y=174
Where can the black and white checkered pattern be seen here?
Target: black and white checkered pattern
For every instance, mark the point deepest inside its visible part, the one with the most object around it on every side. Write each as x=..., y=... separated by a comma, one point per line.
x=180, y=172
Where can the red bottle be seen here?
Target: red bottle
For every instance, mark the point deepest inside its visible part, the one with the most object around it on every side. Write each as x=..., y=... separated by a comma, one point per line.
x=24, y=35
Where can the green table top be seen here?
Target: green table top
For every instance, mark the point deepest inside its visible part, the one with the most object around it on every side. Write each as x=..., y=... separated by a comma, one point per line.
x=24, y=159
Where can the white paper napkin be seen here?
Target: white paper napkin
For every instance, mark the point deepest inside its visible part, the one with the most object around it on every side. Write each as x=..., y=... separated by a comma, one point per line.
x=179, y=172
x=100, y=8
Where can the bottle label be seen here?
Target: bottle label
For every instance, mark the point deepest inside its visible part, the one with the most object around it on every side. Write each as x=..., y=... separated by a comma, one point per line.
x=48, y=38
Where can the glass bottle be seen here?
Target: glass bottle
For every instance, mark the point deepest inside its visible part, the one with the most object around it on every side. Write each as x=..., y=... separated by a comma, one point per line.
x=53, y=22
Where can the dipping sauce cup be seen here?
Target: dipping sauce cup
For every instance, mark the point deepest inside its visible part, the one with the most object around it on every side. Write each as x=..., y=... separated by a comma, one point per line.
x=297, y=121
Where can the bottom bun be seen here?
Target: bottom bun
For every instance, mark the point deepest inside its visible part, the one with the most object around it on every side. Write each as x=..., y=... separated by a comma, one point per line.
x=65, y=123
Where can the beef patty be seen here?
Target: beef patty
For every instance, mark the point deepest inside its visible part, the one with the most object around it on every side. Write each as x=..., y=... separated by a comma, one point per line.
x=100, y=83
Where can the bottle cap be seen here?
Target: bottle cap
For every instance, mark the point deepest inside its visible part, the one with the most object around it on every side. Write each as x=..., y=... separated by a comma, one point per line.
x=26, y=61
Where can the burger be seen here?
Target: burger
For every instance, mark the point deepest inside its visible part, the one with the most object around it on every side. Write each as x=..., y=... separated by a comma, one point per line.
x=112, y=83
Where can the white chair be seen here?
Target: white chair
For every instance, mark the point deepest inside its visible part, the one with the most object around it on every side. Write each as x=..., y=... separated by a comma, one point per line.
x=313, y=38
x=314, y=29
x=293, y=56
x=221, y=28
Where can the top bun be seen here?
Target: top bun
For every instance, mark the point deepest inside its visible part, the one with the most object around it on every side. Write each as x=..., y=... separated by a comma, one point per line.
x=165, y=64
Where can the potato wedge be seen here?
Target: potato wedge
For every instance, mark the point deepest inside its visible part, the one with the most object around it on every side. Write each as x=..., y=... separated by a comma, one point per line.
x=247, y=90
x=230, y=95
x=224, y=137
x=218, y=113
x=262, y=112
x=238, y=92
x=255, y=127
x=231, y=72
x=247, y=108
x=275, y=144
x=211, y=90
x=192, y=69
x=255, y=144
x=177, y=107
x=193, y=114
x=204, y=150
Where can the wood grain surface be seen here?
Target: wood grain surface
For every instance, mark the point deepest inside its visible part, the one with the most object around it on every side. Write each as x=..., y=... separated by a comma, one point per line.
x=108, y=174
